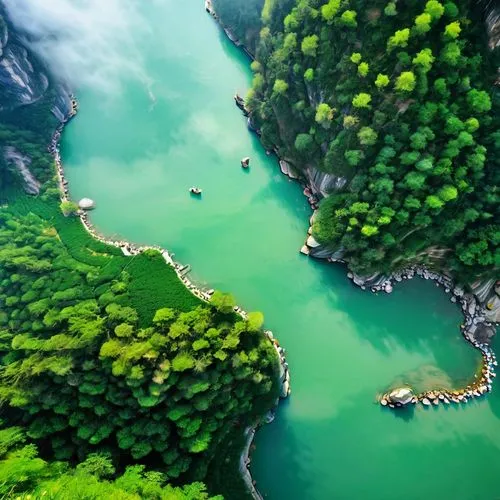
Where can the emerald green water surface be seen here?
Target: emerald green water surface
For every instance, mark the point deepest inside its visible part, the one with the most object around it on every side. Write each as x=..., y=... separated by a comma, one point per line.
x=137, y=156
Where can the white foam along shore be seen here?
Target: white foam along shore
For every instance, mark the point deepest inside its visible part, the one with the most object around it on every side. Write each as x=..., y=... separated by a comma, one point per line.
x=130, y=249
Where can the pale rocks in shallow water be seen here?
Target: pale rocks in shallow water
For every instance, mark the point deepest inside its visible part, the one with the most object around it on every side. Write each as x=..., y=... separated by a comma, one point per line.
x=86, y=204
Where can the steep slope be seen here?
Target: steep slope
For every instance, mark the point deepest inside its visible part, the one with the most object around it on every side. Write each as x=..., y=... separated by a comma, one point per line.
x=390, y=112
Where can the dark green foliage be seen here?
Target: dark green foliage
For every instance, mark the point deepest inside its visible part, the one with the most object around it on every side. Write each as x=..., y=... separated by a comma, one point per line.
x=414, y=130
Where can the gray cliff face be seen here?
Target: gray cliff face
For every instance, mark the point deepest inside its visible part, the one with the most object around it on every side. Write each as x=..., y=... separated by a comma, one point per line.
x=322, y=183
x=20, y=164
x=20, y=83
x=62, y=107
x=23, y=80
x=492, y=22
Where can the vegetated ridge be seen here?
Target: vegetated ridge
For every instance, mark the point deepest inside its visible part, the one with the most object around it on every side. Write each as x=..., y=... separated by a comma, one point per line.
x=115, y=381
x=391, y=112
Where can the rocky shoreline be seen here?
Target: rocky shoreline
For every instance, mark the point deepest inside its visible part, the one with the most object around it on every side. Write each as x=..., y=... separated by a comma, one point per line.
x=479, y=322
x=129, y=249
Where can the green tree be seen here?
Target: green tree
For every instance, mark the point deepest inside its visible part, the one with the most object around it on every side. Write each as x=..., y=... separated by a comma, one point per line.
x=479, y=101
x=367, y=136
x=348, y=18
x=362, y=100
x=324, y=114
x=280, y=87
x=423, y=23
x=69, y=208
x=330, y=10
x=399, y=39
x=310, y=45
x=382, y=81
x=452, y=30
x=435, y=9
x=405, y=82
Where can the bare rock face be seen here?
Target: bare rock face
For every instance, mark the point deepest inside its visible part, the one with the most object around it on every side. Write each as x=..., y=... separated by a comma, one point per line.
x=20, y=163
x=21, y=80
x=323, y=183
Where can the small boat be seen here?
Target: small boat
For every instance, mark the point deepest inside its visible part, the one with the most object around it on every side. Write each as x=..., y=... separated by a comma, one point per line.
x=195, y=190
x=245, y=162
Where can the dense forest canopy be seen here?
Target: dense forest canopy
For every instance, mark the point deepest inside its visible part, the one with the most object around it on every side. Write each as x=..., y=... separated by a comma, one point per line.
x=398, y=99
x=114, y=379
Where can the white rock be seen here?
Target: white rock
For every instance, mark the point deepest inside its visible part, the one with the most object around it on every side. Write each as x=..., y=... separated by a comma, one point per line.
x=86, y=204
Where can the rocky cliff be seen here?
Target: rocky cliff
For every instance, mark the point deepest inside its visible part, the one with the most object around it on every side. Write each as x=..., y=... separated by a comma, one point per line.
x=23, y=79
x=26, y=83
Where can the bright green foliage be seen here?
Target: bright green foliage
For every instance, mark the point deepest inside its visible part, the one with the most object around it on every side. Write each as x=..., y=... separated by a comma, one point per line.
x=309, y=75
x=399, y=39
x=368, y=230
x=424, y=59
x=434, y=202
x=363, y=69
x=423, y=23
x=329, y=10
x=69, y=208
x=310, y=45
x=280, y=87
x=348, y=18
x=367, y=136
x=448, y=193
x=382, y=81
x=362, y=100
x=452, y=30
x=435, y=9
x=405, y=82
x=471, y=125
x=355, y=57
x=324, y=114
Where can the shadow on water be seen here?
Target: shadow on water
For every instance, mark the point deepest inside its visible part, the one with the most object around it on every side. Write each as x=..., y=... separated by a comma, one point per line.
x=386, y=320
x=236, y=54
x=406, y=413
x=288, y=449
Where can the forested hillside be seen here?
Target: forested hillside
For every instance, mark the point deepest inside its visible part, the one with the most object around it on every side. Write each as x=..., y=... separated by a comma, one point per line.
x=114, y=378
x=396, y=101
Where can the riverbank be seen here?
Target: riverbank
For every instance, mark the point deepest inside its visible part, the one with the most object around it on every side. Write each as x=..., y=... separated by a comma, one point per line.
x=476, y=329
x=129, y=250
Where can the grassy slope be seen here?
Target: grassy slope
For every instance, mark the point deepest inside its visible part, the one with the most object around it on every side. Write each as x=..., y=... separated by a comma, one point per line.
x=153, y=283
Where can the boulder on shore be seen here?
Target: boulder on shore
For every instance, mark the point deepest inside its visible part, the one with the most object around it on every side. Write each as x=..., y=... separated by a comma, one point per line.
x=86, y=204
x=401, y=395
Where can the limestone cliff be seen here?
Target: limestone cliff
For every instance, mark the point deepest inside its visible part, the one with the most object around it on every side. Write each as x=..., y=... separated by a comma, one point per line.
x=23, y=78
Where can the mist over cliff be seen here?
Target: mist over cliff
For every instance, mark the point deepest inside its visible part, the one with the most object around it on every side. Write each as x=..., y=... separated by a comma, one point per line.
x=85, y=42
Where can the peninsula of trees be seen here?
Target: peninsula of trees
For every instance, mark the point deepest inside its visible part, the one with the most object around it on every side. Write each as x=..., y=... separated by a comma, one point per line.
x=396, y=99
x=115, y=381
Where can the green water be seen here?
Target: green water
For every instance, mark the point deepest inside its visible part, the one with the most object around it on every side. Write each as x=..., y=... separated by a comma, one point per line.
x=330, y=439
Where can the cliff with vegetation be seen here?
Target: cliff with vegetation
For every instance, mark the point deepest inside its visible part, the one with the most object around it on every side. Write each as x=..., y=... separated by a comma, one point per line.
x=115, y=380
x=391, y=113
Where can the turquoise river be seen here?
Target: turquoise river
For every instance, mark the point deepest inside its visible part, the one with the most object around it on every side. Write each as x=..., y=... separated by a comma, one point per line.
x=137, y=151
